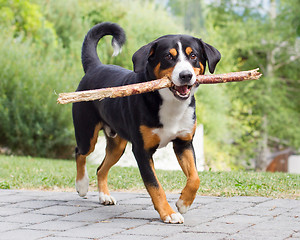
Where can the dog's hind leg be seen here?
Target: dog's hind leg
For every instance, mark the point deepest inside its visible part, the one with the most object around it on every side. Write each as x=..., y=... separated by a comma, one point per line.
x=115, y=147
x=86, y=126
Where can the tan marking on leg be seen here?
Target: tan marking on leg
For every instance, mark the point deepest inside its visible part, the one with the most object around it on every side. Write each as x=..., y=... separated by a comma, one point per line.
x=114, y=150
x=160, y=202
x=150, y=139
x=188, y=194
x=80, y=164
x=159, y=198
x=81, y=159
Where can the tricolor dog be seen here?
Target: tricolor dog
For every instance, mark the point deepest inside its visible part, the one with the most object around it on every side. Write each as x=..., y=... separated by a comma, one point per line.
x=150, y=120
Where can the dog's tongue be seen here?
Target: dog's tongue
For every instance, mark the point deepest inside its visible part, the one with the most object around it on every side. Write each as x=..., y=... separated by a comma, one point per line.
x=183, y=90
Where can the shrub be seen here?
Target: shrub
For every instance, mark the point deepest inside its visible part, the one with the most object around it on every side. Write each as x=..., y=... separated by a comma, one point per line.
x=31, y=122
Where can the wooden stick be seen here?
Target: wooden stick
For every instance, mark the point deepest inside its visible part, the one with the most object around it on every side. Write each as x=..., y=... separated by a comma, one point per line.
x=138, y=88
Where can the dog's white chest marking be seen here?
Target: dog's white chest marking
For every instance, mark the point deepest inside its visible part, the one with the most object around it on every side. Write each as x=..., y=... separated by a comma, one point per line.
x=176, y=117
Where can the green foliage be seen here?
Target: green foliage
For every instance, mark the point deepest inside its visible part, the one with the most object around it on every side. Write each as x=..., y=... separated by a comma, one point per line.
x=31, y=121
x=40, y=45
x=25, y=19
x=266, y=38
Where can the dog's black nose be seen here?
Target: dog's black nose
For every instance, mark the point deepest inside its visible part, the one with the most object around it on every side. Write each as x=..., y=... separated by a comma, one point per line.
x=185, y=76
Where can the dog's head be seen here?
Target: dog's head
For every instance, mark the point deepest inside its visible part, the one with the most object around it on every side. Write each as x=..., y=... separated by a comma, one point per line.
x=179, y=57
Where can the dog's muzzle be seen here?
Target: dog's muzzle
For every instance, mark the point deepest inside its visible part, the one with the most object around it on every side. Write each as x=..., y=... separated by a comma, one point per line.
x=186, y=80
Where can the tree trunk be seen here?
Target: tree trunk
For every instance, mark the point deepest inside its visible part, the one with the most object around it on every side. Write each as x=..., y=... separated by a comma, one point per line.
x=262, y=160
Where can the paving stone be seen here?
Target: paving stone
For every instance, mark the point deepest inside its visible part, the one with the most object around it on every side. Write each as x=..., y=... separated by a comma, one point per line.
x=95, y=215
x=247, y=199
x=205, y=200
x=97, y=230
x=5, y=192
x=296, y=235
x=29, y=218
x=282, y=203
x=119, y=196
x=220, y=227
x=130, y=237
x=196, y=217
x=34, y=204
x=34, y=194
x=262, y=211
x=227, y=205
x=142, y=214
x=8, y=211
x=128, y=223
x=55, y=225
x=192, y=236
x=13, y=198
x=262, y=232
x=62, y=196
x=24, y=234
x=155, y=230
x=244, y=219
x=253, y=236
x=135, y=201
x=60, y=210
x=83, y=202
x=62, y=238
x=6, y=226
x=42, y=215
x=204, y=213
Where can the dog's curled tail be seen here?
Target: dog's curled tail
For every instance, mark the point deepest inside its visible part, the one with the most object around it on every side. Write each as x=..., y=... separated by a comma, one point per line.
x=89, y=56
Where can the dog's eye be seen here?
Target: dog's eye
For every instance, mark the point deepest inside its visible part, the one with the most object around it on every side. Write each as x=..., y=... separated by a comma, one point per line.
x=169, y=56
x=193, y=56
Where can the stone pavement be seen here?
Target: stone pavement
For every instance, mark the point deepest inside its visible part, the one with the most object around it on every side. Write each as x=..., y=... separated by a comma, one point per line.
x=65, y=216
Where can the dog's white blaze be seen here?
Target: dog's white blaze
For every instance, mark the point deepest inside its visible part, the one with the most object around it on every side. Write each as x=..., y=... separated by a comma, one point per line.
x=181, y=65
x=176, y=117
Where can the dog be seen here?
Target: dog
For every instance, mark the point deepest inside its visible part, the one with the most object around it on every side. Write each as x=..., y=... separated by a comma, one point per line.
x=149, y=120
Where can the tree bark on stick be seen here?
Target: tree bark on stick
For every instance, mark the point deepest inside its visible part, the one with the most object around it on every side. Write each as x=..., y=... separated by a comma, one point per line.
x=150, y=86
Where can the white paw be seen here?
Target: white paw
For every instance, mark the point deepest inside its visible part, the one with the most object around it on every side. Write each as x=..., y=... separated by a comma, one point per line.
x=181, y=207
x=107, y=199
x=174, y=218
x=82, y=185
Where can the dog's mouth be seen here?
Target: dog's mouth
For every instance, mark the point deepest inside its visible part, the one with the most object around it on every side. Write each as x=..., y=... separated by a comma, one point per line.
x=181, y=92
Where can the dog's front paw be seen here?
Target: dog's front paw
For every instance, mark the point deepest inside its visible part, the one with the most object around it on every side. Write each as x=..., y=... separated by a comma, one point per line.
x=107, y=199
x=181, y=207
x=174, y=218
x=82, y=186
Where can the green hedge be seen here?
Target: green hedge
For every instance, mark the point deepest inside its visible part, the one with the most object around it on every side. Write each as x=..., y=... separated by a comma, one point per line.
x=31, y=122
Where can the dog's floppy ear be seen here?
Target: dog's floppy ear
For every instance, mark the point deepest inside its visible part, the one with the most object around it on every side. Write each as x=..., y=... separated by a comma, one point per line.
x=211, y=54
x=141, y=56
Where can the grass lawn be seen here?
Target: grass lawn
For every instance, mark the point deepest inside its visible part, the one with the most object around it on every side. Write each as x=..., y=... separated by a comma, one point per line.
x=50, y=174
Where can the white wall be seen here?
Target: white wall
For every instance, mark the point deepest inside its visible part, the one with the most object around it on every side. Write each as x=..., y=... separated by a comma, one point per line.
x=294, y=164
